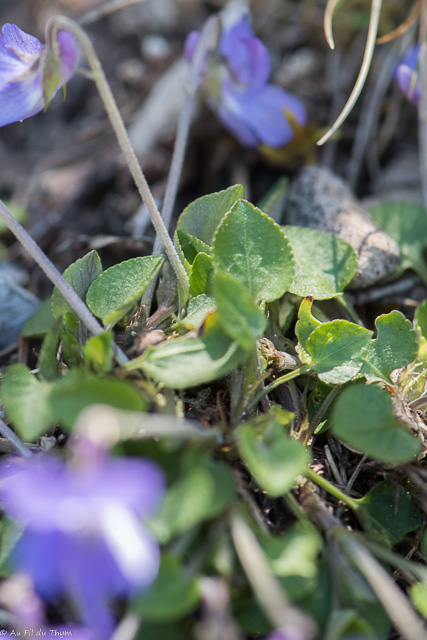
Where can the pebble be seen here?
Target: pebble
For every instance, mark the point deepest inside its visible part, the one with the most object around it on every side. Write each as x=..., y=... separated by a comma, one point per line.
x=16, y=304
x=321, y=200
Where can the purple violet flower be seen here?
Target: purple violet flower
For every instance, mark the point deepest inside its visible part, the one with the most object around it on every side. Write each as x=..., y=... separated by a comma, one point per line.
x=235, y=84
x=83, y=535
x=407, y=75
x=22, y=66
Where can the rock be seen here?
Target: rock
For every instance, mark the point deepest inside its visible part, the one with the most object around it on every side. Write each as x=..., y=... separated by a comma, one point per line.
x=16, y=304
x=321, y=200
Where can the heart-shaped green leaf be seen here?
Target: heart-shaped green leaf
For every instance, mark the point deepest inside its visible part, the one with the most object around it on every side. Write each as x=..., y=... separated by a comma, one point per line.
x=189, y=362
x=395, y=346
x=363, y=418
x=274, y=459
x=336, y=349
x=116, y=290
x=251, y=247
x=79, y=276
x=202, y=216
x=324, y=264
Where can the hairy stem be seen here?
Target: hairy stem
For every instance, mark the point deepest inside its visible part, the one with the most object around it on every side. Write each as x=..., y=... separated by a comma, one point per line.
x=208, y=38
x=77, y=305
x=58, y=23
x=13, y=438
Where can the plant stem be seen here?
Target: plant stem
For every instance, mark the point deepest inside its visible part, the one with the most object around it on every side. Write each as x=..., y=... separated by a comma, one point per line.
x=13, y=438
x=402, y=614
x=350, y=310
x=54, y=276
x=267, y=588
x=207, y=41
x=208, y=37
x=58, y=23
x=331, y=489
x=276, y=383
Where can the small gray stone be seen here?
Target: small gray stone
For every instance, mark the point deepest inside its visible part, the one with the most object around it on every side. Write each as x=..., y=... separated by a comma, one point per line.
x=321, y=200
x=16, y=304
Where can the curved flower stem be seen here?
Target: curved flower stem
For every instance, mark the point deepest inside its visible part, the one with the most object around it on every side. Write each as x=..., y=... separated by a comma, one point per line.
x=58, y=23
x=208, y=37
x=54, y=276
x=327, y=22
x=331, y=489
x=206, y=42
x=106, y=10
x=13, y=438
x=367, y=58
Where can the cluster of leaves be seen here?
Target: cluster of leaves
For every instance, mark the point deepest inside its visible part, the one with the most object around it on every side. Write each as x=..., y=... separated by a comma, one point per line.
x=254, y=315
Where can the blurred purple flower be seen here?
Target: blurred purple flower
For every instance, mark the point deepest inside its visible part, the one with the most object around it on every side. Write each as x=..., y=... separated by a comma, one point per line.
x=22, y=67
x=235, y=83
x=83, y=536
x=407, y=74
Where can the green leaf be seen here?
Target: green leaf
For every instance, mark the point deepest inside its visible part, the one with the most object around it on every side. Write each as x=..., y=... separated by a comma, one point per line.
x=363, y=418
x=306, y=324
x=172, y=595
x=191, y=246
x=389, y=509
x=78, y=390
x=395, y=346
x=273, y=203
x=271, y=456
x=336, y=349
x=189, y=362
x=26, y=401
x=201, y=494
x=79, y=276
x=251, y=247
x=421, y=327
x=418, y=593
x=198, y=308
x=294, y=558
x=47, y=363
x=406, y=223
x=202, y=216
x=98, y=351
x=421, y=318
x=116, y=290
x=40, y=322
x=324, y=264
x=201, y=275
x=240, y=317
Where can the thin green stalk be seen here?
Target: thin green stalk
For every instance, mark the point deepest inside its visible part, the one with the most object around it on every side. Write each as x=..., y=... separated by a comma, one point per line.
x=295, y=507
x=366, y=63
x=58, y=23
x=331, y=489
x=276, y=383
x=342, y=300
